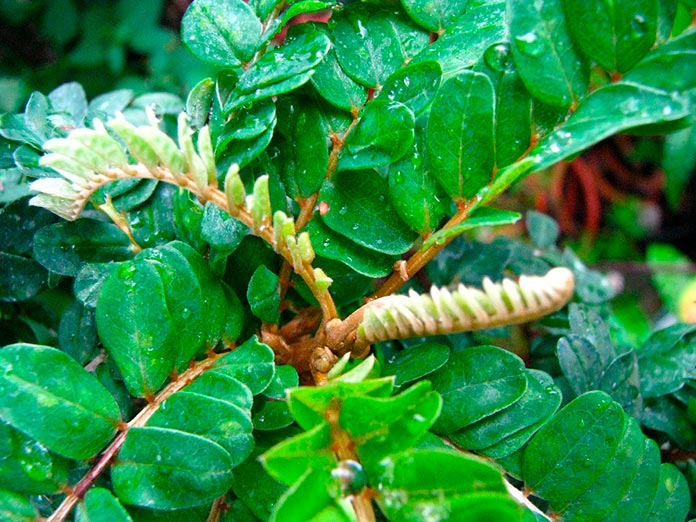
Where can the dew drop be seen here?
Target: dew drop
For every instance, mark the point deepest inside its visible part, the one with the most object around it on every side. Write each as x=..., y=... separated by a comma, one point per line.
x=398, y=177
x=343, y=210
x=497, y=55
x=639, y=26
x=581, y=423
x=529, y=44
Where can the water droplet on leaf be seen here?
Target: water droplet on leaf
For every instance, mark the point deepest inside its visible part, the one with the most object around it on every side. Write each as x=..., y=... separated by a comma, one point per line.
x=497, y=55
x=639, y=26
x=530, y=44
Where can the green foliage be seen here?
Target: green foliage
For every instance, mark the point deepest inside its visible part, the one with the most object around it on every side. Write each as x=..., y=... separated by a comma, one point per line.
x=185, y=344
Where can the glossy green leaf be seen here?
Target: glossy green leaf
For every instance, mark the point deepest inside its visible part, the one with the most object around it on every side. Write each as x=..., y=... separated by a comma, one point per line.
x=353, y=194
x=435, y=16
x=199, y=100
x=246, y=123
x=393, y=424
x=541, y=399
x=77, y=333
x=544, y=54
x=475, y=383
x=308, y=405
x=580, y=363
x=271, y=414
x=667, y=360
x=68, y=411
x=256, y=488
x=616, y=35
x=310, y=500
x=666, y=415
x=372, y=42
x=335, y=86
x=578, y=442
x=459, y=138
x=219, y=421
x=152, y=459
x=678, y=163
x=672, y=498
x=415, y=362
x=464, y=42
x=289, y=460
x=621, y=380
x=444, y=484
x=220, y=230
x=264, y=295
x=332, y=245
x=606, y=111
x=482, y=217
x=382, y=136
x=251, y=363
x=310, y=152
x=280, y=70
x=100, y=505
x=136, y=326
x=65, y=247
x=414, y=191
x=26, y=466
x=16, y=508
x=224, y=33
x=20, y=278
x=222, y=387
x=242, y=152
x=89, y=280
x=414, y=85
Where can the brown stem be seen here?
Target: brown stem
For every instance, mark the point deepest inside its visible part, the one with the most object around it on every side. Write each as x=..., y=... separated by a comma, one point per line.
x=110, y=452
x=422, y=257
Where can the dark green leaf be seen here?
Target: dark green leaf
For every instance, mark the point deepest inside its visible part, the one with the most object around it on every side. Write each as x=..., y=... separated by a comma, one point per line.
x=100, y=505
x=242, y=152
x=541, y=399
x=678, y=163
x=332, y=245
x=615, y=35
x=18, y=224
x=475, y=383
x=544, y=54
x=459, y=139
x=444, y=484
x=666, y=415
x=66, y=247
x=383, y=135
x=152, y=459
x=216, y=420
x=271, y=414
x=464, y=42
x=21, y=278
x=247, y=123
x=198, y=102
x=264, y=295
x=222, y=232
x=136, y=326
x=336, y=87
x=67, y=410
x=415, y=362
x=672, y=498
x=621, y=380
x=27, y=466
x=223, y=387
x=256, y=488
x=579, y=441
x=414, y=85
x=251, y=363
x=89, y=280
x=354, y=194
x=310, y=151
x=77, y=333
x=580, y=362
x=16, y=508
x=225, y=33
x=667, y=360
x=435, y=15
x=372, y=42
x=393, y=424
x=312, y=499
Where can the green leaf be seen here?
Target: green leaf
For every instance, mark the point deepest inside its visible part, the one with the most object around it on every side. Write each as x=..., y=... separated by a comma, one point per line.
x=543, y=230
x=393, y=424
x=50, y=397
x=312, y=499
x=414, y=85
x=332, y=245
x=136, y=326
x=251, y=363
x=247, y=123
x=475, y=383
x=100, y=505
x=580, y=362
x=678, y=164
x=77, y=333
x=415, y=362
x=226, y=33
x=198, y=102
x=220, y=230
x=616, y=35
x=435, y=15
x=372, y=42
x=336, y=87
x=254, y=486
x=382, y=136
x=578, y=442
x=541, y=400
x=310, y=151
x=667, y=360
x=606, y=111
x=464, y=42
x=666, y=415
x=280, y=69
x=21, y=278
x=66, y=247
x=308, y=405
x=544, y=54
x=152, y=459
x=352, y=195
x=621, y=380
x=89, y=280
x=482, y=217
x=16, y=508
x=289, y=460
x=264, y=295
x=219, y=421
x=26, y=466
x=672, y=498
x=443, y=484
x=222, y=387
x=459, y=137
